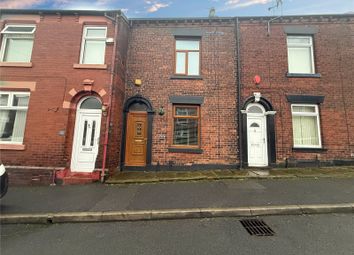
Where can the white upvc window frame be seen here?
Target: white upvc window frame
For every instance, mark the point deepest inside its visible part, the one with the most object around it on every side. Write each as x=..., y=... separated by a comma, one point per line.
x=311, y=114
x=302, y=45
x=9, y=34
x=86, y=38
x=17, y=108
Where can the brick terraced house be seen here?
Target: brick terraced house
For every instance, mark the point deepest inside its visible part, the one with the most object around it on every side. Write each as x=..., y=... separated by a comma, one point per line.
x=87, y=91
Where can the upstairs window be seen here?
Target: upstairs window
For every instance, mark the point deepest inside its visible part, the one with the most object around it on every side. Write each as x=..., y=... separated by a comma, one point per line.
x=17, y=43
x=93, y=45
x=186, y=126
x=306, y=126
x=187, y=56
x=300, y=54
x=13, y=112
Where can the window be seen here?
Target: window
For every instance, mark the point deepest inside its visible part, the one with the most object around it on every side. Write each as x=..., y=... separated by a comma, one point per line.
x=13, y=112
x=306, y=126
x=300, y=54
x=93, y=45
x=17, y=43
x=187, y=57
x=186, y=125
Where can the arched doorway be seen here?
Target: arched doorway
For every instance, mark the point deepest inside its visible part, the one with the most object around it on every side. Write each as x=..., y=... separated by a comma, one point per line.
x=256, y=136
x=86, y=135
x=258, y=132
x=137, y=139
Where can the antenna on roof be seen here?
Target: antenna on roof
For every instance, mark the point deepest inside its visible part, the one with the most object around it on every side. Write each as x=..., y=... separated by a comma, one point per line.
x=212, y=12
x=276, y=6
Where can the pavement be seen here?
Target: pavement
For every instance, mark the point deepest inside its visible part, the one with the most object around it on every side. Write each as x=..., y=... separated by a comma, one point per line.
x=331, y=190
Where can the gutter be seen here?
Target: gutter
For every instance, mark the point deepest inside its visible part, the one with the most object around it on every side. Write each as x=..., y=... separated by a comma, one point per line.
x=108, y=120
x=238, y=84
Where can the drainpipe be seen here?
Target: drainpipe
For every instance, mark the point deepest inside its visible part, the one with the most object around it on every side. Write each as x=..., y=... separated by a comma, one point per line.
x=108, y=119
x=239, y=116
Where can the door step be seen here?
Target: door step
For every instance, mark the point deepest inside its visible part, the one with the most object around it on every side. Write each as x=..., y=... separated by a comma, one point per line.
x=66, y=177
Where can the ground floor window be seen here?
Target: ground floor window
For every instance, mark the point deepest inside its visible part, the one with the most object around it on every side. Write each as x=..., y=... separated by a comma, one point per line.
x=13, y=112
x=306, y=126
x=186, y=125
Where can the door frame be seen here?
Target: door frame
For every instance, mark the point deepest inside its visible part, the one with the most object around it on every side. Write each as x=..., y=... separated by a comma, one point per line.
x=150, y=113
x=270, y=129
x=262, y=118
x=80, y=112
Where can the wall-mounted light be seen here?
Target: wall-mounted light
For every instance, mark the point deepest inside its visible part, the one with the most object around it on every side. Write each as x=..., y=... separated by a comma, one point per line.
x=104, y=110
x=138, y=82
x=161, y=111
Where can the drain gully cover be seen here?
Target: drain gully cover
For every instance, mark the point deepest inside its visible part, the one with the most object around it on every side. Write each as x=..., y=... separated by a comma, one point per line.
x=257, y=227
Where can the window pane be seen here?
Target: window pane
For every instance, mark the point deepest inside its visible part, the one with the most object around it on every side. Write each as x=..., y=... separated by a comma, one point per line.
x=96, y=32
x=187, y=45
x=19, y=29
x=184, y=111
x=299, y=40
x=305, y=130
x=300, y=60
x=193, y=63
x=20, y=100
x=94, y=52
x=12, y=125
x=18, y=50
x=304, y=108
x=181, y=62
x=91, y=103
x=255, y=109
x=185, y=132
x=4, y=98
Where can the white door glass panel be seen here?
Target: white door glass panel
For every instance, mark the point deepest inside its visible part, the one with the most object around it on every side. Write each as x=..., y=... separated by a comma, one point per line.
x=193, y=63
x=187, y=45
x=300, y=60
x=18, y=50
x=180, y=62
x=94, y=52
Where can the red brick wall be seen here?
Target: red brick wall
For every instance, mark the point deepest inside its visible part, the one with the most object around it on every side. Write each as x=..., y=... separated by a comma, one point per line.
x=334, y=53
x=56, y=48
x=151, y=59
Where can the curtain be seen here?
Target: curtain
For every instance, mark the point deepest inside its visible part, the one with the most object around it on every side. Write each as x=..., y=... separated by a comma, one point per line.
x=4, y=118
x=305, y=130
x=19, y=126
x=94, y=52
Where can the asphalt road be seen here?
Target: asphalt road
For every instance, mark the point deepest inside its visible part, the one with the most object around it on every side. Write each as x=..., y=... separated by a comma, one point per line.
x=308, y=234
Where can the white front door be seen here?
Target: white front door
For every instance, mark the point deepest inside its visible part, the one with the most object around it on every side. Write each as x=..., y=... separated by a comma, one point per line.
x=86, y=140
x=257, y=141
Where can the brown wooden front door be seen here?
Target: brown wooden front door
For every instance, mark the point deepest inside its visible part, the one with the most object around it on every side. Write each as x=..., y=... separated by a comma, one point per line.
x=136, y=139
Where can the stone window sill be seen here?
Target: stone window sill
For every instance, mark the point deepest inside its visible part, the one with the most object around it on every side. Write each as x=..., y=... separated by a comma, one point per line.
x=303, y=75
x=185, y=150
x=186, y=77
x=15, y=147
x=89, y=66
x=309, y=149
x=16, y=64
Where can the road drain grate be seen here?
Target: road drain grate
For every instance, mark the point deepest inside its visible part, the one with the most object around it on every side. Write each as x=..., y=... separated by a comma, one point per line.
x=257, y=227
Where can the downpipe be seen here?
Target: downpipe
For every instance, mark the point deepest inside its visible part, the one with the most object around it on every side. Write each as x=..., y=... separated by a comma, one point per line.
x=108, y=120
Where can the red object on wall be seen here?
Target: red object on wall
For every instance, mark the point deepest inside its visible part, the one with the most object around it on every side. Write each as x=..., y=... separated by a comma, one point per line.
x=257, y=79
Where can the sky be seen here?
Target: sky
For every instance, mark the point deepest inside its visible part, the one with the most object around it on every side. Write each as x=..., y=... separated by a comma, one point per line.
x=191, y=8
